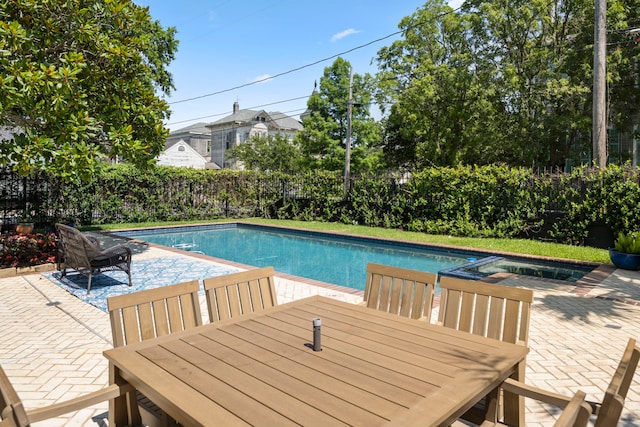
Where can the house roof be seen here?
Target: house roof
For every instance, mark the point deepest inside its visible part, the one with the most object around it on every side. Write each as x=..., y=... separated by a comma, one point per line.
x=199, y=127
x=277, y=119
x=240, y=116
x=284, y=121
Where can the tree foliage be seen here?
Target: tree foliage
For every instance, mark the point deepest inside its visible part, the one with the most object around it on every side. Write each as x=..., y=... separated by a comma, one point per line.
x=268, y=154
x=325, y=131
x=79, y=84
x=503, y=81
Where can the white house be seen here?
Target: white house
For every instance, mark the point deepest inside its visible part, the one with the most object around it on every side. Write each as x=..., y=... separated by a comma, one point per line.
x=212, y=140
x=197, y=136
x=182, y=155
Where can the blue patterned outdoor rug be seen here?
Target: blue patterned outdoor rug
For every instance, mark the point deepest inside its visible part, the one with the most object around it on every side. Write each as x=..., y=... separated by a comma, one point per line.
x=145, y=274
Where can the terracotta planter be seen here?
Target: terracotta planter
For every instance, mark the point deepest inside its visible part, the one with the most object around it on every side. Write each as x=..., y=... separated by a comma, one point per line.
x=624, y=260
x=24, y=227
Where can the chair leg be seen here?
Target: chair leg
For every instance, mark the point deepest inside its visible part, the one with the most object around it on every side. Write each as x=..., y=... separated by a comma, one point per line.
x=89, y=285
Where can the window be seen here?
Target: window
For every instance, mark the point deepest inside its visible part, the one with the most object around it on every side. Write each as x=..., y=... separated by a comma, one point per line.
x=181, y=148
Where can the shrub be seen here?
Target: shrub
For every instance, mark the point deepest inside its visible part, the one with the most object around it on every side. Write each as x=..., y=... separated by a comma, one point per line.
x=488, y=201
x=24, y=250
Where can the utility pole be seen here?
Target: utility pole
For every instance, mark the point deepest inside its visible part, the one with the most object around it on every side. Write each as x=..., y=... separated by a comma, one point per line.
x=599, y=132
x=347, y=161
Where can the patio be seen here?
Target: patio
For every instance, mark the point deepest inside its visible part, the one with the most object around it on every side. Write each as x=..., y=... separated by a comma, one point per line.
x=51, y=342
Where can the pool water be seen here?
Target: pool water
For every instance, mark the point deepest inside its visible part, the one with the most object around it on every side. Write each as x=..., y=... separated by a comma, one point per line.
x=342, y=260
x=328, y=258
x=493, y=265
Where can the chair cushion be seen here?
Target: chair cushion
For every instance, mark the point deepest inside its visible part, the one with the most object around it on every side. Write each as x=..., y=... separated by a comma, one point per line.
x=108, y=260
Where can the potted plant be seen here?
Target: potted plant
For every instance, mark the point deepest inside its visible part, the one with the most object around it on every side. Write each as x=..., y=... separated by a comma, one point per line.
x=25, y=223
x=626, y=253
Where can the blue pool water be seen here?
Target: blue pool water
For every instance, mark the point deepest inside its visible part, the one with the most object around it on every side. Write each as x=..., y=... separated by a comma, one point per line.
x=331, y=259
x=341, y=260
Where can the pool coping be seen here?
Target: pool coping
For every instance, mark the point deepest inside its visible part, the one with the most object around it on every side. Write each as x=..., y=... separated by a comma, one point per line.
x=581, y=287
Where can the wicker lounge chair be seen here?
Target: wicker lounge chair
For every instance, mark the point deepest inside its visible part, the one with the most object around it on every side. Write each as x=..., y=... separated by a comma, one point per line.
x=83, y=254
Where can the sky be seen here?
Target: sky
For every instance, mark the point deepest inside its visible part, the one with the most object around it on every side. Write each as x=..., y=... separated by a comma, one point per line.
x=267, y=55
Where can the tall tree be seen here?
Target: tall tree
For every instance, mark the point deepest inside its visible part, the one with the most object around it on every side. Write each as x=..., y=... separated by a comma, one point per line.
x=80, y=82
x=442, y=103
x=269, y=154
x=324, y=135
x=541, y=76
x=503, y=81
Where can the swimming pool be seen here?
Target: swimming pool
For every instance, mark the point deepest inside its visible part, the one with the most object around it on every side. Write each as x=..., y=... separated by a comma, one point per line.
x=331, y=258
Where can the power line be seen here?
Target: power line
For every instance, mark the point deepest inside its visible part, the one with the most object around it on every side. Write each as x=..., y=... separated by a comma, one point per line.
x=286, y=72
x=303, y=66
x=250, y=108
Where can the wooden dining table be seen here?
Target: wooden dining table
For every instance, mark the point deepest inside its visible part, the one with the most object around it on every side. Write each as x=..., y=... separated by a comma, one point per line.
x=373, y=369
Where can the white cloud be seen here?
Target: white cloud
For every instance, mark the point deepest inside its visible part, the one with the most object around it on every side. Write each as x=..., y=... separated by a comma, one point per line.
x=262, y=79
x=343, y=34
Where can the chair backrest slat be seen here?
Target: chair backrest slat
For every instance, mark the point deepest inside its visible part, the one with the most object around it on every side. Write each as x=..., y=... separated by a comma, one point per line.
x=151, y=313
x=148, y=324
x=614, y=397
x=405, y=292
x=422, y=296
x=240, y=293
x=494, y=311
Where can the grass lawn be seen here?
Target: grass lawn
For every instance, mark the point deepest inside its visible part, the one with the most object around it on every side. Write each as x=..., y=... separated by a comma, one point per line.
x=515, y=246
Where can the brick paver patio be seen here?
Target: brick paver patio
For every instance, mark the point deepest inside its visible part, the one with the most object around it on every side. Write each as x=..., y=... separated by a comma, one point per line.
x=51, y=343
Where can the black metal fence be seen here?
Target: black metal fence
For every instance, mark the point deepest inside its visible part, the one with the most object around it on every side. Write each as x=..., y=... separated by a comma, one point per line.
x=119, y=197
x=21, y=198
x=493, y=201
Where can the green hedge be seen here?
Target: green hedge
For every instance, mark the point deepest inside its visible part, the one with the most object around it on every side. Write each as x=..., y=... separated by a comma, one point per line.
x=492, y=201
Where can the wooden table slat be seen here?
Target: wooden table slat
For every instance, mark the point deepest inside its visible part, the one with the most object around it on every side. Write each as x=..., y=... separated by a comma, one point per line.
x=223, y=393
x=398, y=326
x=170, y=394
x=242, y=356
x=414, y=353
x=383, y=381
x=231, y=387
x=359, y=390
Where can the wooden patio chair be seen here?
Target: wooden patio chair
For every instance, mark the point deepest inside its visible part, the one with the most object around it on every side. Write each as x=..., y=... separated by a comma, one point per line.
x=151, y=313
x=240, y=293
x=608, y=411
x=576, y=410
x=576, y=413
x=14, y=414
x=83, y=254
x=400, y=291
x=493, y=311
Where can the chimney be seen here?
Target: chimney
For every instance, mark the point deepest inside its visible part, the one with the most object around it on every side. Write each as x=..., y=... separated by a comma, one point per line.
x=236, y=107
